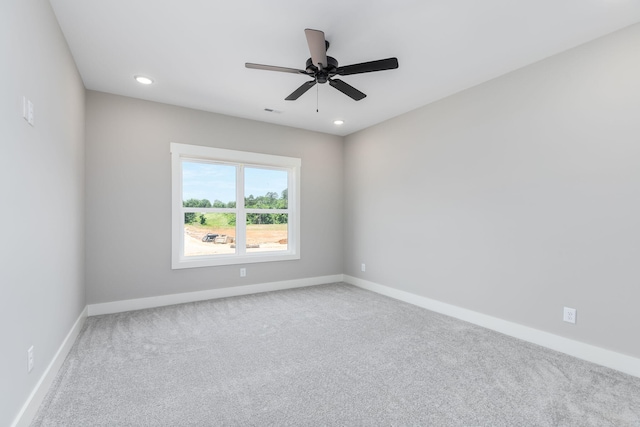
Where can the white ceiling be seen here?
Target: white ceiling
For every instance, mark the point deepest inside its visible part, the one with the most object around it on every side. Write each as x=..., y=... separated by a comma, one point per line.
x=195, y=50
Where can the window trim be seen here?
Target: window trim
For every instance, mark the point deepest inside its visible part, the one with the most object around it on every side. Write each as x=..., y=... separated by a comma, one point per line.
x=245, y=159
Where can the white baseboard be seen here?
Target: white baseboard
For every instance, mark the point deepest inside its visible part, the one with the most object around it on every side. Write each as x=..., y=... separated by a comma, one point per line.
x=608, y=358
x=160, y=301
x=31, y=406
x=600, y=356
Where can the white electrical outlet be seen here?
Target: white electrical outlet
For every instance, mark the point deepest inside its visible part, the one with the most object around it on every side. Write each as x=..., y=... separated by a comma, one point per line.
x=243, y=272
x=30, y=359
x=363, y=267
x=28, y=110
x=569, y=315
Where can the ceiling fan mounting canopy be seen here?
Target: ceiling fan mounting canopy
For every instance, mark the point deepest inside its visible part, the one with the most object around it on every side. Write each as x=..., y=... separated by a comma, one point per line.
x=323, y=68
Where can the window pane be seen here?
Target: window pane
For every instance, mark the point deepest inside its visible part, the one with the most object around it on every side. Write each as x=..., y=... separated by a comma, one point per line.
x=206, y=185
x=269, y=235
x=209, y=234
x=265, y=188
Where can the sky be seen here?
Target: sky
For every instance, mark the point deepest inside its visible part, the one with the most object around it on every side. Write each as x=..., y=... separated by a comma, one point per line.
x=213, y=181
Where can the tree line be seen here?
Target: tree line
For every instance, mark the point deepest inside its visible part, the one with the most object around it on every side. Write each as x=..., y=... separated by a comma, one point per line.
x=271, y=200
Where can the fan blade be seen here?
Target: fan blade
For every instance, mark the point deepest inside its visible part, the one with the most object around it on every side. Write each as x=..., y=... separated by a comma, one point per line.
x=302, y=89
x=274, y=68
x=368, y=67
x=317, y=47
x=347, y=89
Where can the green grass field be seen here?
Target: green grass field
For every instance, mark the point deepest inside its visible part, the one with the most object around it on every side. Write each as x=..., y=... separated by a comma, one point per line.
x=222, y=220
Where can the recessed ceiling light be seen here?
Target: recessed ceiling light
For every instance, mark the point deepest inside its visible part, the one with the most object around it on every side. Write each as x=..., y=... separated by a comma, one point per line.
x=338, y=122
x=143, y=80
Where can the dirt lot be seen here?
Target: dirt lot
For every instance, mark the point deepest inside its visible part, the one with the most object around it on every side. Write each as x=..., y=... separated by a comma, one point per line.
x=260, y=238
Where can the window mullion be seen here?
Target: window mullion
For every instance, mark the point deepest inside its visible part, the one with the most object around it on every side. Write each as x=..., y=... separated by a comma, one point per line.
x=241, y=216
x=208, y=210
x=293, y=225
x=267, y=211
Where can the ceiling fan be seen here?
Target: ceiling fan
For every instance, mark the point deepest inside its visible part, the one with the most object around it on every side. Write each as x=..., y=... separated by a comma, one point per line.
x=323, y=68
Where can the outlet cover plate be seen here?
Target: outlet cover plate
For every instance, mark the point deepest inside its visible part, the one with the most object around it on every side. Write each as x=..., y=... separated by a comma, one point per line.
x=569, y=315
x=30, y=359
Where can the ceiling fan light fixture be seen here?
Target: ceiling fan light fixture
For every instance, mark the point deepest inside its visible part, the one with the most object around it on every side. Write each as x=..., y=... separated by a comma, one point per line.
x=143, y=80
x=338, y=122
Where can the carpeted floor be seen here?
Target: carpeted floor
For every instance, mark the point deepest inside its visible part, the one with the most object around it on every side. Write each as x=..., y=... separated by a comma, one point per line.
x=323, y=355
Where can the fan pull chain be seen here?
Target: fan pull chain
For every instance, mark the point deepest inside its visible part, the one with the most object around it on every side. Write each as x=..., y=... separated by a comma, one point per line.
x=317, y=98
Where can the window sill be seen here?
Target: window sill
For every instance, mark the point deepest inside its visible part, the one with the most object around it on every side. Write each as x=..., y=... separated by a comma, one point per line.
x=205, y=261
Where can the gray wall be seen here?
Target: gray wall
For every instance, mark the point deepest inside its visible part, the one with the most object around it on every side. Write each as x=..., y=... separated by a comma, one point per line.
x=128, y=197
x=514, y=198
x=42, y=190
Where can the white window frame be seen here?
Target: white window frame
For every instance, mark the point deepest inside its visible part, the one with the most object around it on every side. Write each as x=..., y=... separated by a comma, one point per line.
x=241, y=159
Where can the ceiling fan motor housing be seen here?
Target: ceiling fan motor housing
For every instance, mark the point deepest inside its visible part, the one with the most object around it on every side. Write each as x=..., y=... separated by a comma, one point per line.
x=322, y=75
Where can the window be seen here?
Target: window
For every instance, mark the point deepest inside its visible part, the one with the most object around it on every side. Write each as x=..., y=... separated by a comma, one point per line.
x=233, y=207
